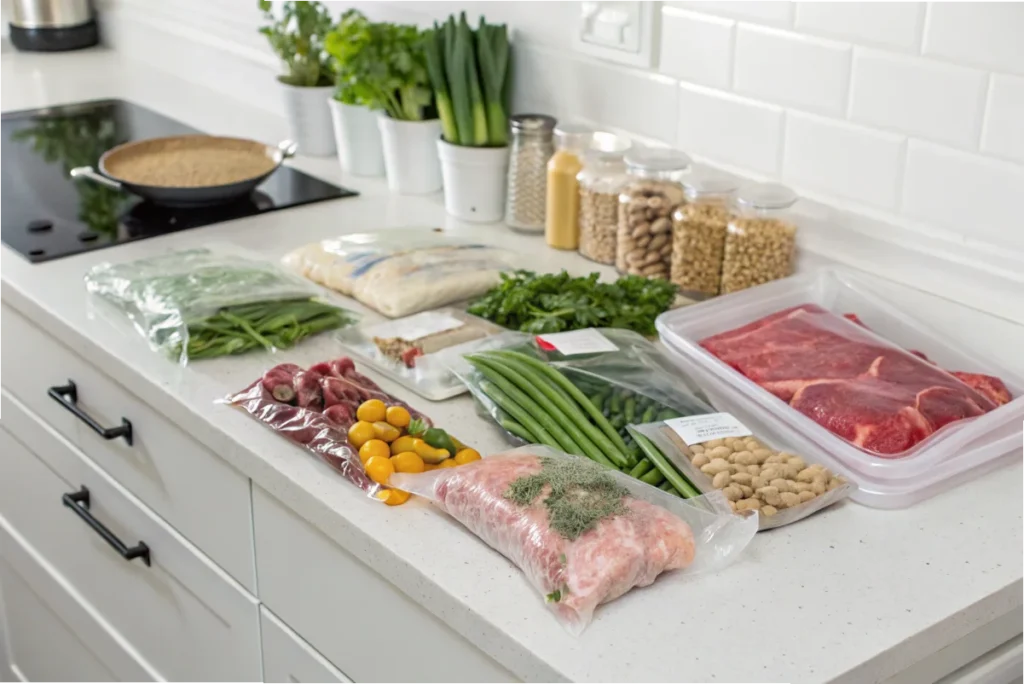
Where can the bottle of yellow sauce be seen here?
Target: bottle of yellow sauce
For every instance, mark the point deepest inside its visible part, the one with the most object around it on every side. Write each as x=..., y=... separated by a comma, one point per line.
x=561, y=225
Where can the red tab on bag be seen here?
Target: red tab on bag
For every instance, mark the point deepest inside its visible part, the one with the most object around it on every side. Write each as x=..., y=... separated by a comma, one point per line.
x=544, y=345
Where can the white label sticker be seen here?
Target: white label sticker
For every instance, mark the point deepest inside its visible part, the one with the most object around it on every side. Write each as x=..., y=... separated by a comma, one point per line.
x=416, y=327
x=573, y=342
x=700, y=429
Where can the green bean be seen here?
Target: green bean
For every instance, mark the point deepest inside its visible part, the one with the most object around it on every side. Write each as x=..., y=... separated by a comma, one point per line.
x=629, y=409
x=616, y=402
x=520, y=398
x=546, y=394
x=517, y=430
x=649, y=414
x=640, y=468
x=666, y=468
x=652, y=477
x=518, y=413
x=570, y=389
x=666, y=414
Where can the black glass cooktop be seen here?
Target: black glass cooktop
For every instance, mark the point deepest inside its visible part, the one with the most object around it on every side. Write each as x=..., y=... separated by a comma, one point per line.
x=46, y=214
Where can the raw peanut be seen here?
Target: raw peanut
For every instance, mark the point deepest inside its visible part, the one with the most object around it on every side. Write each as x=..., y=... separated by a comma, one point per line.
x=769, y=511
x=721, y=480
x=800, y=487
x=700, y=460
x=713, y=443
x=716, y=466
x=758, y=482
x=762, y=454
x=806, y=475
x=732, y=505
x=721, y=452
x=748, y=505
x=747, y=491
x=789, y=499
x=776, y=458
x=662, y=225
x=733, y=493
x=745, y=457
x=834, y=482
x=742, y=478
x=798, y=462
x=819, y=487
x=781, y=484
x=771, y=472
x=790, y=471
x=805, y=496
x=754, y=469
x=697, y=449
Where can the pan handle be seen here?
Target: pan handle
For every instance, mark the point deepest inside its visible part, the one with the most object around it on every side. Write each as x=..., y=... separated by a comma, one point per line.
x=288, y=148
x=88, y=172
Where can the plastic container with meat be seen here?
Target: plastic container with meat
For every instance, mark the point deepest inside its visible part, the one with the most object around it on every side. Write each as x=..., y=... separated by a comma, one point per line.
x=314, y=407
x=582, y=534
x=887, y=400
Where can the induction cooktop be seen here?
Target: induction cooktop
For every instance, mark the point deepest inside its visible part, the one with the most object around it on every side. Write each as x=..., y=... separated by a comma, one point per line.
x=46, y=214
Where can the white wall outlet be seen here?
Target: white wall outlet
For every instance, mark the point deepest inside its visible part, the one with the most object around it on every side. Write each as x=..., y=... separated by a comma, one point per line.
x=618, y=31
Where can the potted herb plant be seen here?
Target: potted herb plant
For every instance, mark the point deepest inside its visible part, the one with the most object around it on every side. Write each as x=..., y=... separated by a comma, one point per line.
x=296, y=33
x=400, y=88
x=355, y=123
x=470, y=74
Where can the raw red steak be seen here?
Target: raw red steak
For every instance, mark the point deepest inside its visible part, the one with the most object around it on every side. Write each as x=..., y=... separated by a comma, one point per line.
x=621, y=552
x=861, y=388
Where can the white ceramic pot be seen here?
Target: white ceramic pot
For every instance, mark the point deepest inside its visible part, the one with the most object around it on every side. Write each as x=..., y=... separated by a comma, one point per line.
x=410, y=154
x=358, y=139
x=474, y=181
x=309, y=119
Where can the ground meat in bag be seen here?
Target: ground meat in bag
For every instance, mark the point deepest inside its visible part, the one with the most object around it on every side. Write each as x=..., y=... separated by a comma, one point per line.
x=575, y=528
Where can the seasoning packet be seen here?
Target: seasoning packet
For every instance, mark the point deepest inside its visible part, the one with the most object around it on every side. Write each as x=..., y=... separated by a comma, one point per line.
x=716, y=452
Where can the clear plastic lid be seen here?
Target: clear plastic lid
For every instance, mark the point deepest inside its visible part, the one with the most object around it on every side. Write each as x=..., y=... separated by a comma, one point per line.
x=656, y=163
x=605, y=146
x=709, y=186
x=766, y=196
x=573, y=136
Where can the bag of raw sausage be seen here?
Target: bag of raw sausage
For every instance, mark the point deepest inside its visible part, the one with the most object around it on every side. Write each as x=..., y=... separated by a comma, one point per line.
x=583, y=534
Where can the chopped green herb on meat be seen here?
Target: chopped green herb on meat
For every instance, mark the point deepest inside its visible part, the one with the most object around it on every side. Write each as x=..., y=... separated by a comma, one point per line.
x=580, y=494
x=555, y=302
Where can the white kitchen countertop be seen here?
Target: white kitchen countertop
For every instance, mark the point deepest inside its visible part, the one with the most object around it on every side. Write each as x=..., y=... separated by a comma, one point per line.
x=852, y=594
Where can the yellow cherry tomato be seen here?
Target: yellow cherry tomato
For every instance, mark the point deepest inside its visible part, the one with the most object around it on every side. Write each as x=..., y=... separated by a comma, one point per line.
x=407, y=462
x=467, y=456
x=398, y=416
x=428, y=453
x=360, y=433
x=371, y=410
x=397, y=497
x=447, y=463
x=379, y=469
x=373, y=447
x=403, y=443
x=382, y=430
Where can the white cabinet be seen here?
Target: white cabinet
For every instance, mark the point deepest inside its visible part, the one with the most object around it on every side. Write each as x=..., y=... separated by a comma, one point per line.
x=193, y=489
x=350, y=613
x=288, y=658
x=182, y=613
x=51, y=635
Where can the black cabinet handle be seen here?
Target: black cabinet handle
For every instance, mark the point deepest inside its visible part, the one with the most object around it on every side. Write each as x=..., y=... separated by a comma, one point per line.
x=67, y=396
x=79, y=503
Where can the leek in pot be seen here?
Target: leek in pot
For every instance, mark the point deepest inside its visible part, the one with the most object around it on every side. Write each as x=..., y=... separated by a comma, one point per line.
x=296, y=32
x=469, y=70
x=356, y=134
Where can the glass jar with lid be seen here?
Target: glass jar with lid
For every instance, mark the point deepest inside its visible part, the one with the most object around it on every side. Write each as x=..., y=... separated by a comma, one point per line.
x=561, y=220
x=532, y=147
x=652, y=191
x=600, y=180
x=761, y=237
x=699, y=229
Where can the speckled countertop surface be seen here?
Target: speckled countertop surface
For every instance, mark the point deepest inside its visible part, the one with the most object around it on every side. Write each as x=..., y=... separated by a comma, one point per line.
x=852, y=594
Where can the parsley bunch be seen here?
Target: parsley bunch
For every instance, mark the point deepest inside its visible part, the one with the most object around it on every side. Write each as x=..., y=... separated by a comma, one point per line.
x=553, y=302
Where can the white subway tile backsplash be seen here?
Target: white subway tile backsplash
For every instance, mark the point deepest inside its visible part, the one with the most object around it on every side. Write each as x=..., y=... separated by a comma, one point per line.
x=768, y=12
x=974, y=196
x=890, y=24
x=843, y=160
x=696, y=48
x=921, y=97
x=987, y=34
x=791, y=69
x=1003, y=134
x=729, y=130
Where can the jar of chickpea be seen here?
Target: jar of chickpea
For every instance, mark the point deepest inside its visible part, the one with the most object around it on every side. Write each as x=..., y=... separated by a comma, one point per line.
x=760, y=241
x=699, y=229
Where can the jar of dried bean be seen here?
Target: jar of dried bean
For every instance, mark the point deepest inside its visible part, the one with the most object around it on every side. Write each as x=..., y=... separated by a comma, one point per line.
x=760, y=239
x=698, y=235
x=652, y=192
x=600, y=180
x=532, y=147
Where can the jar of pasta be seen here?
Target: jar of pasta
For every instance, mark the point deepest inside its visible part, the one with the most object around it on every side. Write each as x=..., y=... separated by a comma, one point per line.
x=699, y=229
x=760, y=239
x=561, y=220
x=652, y=191
x=600, y=181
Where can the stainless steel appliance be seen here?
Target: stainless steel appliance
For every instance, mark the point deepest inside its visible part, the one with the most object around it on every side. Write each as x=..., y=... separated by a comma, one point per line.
x=52, y=25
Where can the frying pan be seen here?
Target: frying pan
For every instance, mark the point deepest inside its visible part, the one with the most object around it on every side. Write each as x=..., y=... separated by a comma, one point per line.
x=197, y=196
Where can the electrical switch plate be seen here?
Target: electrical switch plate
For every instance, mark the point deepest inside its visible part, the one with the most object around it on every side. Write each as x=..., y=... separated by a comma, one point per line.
x=620, y=32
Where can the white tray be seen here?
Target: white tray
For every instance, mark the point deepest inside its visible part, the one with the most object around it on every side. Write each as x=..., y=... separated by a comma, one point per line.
x=971, y=443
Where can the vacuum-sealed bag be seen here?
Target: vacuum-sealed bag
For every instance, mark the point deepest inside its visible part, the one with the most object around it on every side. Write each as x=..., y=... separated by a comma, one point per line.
x=315, y=407
x=199, y=303
x=582, y=534
x=402, y=271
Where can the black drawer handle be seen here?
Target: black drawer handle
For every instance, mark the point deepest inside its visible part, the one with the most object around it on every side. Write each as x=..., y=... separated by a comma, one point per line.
x=67, y=396
x=79, y=503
